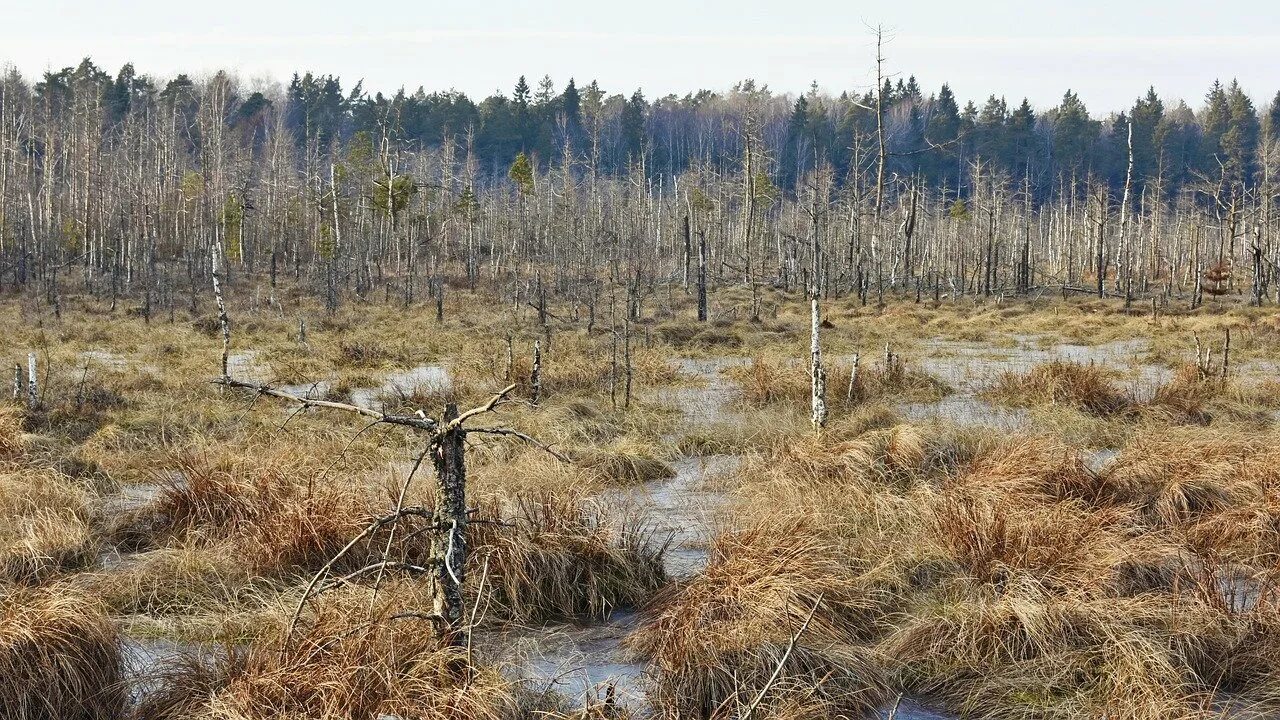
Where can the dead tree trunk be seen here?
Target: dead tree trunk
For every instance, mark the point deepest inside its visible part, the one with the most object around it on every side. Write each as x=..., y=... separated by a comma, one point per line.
x=535, y=376
x=449, y=544
x=511, y=359
x=853, y=380
x=33, y=393
x=626, y=354
x=817, y=374
x=1125, y=242
x=223, y=320
x=702, y=278
x=1226, y=354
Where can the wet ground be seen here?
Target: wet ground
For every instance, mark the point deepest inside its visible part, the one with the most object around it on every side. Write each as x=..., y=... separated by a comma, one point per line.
x=582, y=660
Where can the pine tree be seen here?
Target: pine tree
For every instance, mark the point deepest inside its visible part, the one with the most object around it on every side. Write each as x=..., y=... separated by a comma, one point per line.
x=633, y=134
x=1239, y=144
x=1074, y=133
x=1023, y=143
x=1273, y=119
x=1213, y=125
x=1147, y=113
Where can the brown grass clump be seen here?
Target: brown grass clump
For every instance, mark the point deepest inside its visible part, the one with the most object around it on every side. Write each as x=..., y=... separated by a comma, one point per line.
x=770, y=382
x=700, y=336
x=345, y=662
x=1192, y=397
x=1215, y=488
x=60, y=658
x=1018, y=467
x=1023, y=651
x=269, y=516
x=560, y=557
x=1062, y=382
x=714, y=642
x=624, y=468
x=45, y=526
x=11, y=435
x=1063, y=545
x=890, y=456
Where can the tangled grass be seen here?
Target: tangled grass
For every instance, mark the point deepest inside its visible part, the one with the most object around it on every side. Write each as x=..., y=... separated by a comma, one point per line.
x=60, y=658
x=715, y=643
x=767, y=382
x=1087, y=387
x=45, y=526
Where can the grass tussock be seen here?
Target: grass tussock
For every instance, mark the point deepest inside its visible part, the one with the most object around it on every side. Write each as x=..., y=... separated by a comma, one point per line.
x=1086, y=387
x=347, y=661
x=12, y=443
x=625, y=468
x=561, y=556
x=277, y=520
x=1004, y=578
x=46, y=526
x=714, y=642
x=766, y=382
x=60, y=658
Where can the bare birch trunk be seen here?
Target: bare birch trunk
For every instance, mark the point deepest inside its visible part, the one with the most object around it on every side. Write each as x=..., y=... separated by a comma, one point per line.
x=817, y=374
x=33, y=390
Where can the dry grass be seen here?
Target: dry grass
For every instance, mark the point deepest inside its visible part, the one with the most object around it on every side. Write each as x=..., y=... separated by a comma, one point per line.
x=562, y=557
x=1063, y=382
x=624, y=468
x=45, y=526
x=998, y=576
x=12, y=442
x=346, y=662
x=714, y=643
x=276, y=519
x=771, y=382
x=60, y=658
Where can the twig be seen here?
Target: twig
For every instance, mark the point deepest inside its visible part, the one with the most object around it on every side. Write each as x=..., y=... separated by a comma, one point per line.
x=517, y=434
x=782, y=661
x=414, y=421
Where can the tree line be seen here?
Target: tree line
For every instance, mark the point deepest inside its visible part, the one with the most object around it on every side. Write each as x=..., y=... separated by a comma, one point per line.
x=126, y=182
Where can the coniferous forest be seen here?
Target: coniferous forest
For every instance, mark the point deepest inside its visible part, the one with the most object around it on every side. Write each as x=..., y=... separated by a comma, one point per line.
x=891, y=188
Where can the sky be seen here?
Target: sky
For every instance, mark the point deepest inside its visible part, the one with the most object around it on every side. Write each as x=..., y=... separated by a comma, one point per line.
x=1108, y=51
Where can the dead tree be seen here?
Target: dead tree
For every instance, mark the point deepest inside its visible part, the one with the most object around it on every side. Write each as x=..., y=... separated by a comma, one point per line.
x=448, y=519
x=817, y=374
x=33, y=394
x=1125, y=242
x=702, y=278
x=853, y=380
x=535, y=375
x=223, y=320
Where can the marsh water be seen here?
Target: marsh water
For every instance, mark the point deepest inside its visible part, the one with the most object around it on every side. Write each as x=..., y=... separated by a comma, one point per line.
x=586, y=660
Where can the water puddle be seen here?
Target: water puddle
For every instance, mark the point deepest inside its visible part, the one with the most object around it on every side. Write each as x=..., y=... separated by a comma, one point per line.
x=104, y=359
x=966, y=410
x=708, y=399
x=1097, y=460
x=583, y=660
x=1240, y=590
x=424, y=379
x=579, y=661
x=908, y=710
x=682, y=510
x=148, y=660
x=245, y=365
x=970, y=368
x=421, y=380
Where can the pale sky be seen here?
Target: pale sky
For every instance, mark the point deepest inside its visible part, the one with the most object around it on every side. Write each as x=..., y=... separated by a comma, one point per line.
x=1109, y=52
